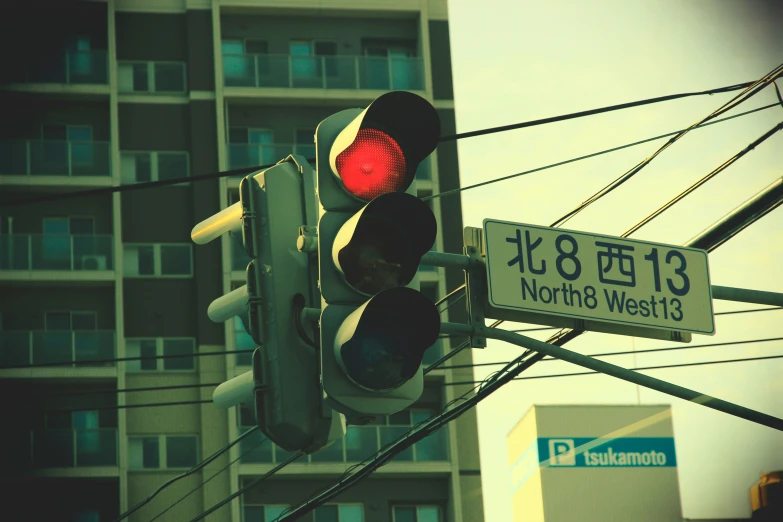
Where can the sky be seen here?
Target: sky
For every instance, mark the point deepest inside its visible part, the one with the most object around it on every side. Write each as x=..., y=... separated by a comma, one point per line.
x=519, y=60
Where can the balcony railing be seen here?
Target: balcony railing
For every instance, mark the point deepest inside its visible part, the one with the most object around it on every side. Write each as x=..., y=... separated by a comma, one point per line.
x=242, y=155
x=323, y=72
x=359, y=443
x=56, y=252
x=74, y=448
x=71, y=67
x=55, y=158
x=23, y=347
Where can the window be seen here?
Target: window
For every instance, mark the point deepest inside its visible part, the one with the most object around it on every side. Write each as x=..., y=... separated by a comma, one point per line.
x=69, y=321
x=432, y=448
x=157, y=347
x=88, y=515
x=339, y=513
x=162, y=451
x=305, y=58
x=158, y=260
x=262, y=513
x=416, y=514
x=67, y=145
x=151, y=77
x=80, y=63
x=138, y=167
x=235, y=62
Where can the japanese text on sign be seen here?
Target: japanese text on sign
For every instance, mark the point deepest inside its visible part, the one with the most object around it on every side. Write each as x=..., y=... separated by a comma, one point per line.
x=597, y=277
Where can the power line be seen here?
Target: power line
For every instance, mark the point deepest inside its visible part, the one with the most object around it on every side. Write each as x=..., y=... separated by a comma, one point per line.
x=129, y=390
x=192, y=470
x=249, y=486
x=588, y=156
x=248, y=170
x=745, y=95
x=703, y=180
x=632, y=352
x=682, y=365
x=121, y=359
x=218, y=472
x=592, y=112
x=126, y=406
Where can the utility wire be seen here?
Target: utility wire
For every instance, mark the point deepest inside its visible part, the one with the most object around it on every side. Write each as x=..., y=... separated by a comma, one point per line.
x=592, y=112
x=121, y=359
x=248, y=170
x=632, y=352
x=218, y=472
x=704, y=180
x=246, y=488
x=745, y=95
x=192, y=470
x=588, y=156
x=126, y=406
x=681, y=365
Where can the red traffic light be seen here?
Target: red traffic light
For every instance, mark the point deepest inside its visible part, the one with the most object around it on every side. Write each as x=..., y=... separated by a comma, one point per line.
x=379, y=151
x=372, y=165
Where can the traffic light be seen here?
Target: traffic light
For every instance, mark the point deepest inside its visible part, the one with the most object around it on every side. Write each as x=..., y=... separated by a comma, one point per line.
x=372, y=234
x=283, y=388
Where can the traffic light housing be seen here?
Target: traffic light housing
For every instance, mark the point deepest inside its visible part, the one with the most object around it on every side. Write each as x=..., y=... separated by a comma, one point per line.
x=285, y=385
x=372, y=233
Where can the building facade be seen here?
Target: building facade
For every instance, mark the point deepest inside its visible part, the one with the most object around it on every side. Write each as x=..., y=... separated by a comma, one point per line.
x=97, y=94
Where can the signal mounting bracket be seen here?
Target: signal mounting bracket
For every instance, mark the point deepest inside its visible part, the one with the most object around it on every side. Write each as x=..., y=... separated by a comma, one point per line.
x=475, y=283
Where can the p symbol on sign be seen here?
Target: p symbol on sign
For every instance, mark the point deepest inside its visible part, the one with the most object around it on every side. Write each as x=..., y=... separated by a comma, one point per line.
x=561, y=452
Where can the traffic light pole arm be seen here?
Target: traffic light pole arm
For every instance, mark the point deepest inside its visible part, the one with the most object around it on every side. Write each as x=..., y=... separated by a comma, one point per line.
x=616, y=371
x=743, y=295
x=433, y=258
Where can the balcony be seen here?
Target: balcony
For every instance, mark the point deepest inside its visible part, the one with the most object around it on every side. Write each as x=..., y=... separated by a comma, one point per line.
x=359, y=443
x=243, y=155
x=71, y=67
x=55, y=158
x=22, y=347
x=323, y=72
x=74, y=448
x=78, y=253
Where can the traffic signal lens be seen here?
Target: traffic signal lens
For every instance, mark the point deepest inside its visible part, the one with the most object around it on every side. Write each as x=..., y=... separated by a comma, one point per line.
x=372, y=165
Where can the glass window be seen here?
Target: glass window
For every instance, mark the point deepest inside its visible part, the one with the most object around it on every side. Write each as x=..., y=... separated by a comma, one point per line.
x=274, y=512
x=84, y=320
x=140, y=77
x=404, y=514
x=146, y=260
x=175, y=260
x=79, y=133
x=401, y=418
x=253, y=514
x=351, y=513
x=55, y=226
x=148, y=349
x=169, y=77
x=143, y=452
x=181, y=451
x=416, y=514
x=88, y=515
x=327, y=514
x=172, y=165
x=136, y=167
x=85, y=420
x=178, y=347
x=237, y=134
x=57, y=321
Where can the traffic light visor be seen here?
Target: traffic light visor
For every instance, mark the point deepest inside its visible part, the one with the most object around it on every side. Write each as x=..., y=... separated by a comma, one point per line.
x=380, y=150
x=381, y=246
x=380, y=346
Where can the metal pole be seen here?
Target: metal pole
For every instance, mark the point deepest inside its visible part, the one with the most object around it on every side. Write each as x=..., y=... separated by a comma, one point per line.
x=432, y=258
x=743, y=295
x=740, y=218
x=633, y=377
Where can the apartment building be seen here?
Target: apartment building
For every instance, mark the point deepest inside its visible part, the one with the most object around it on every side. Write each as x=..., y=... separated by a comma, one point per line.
x=111, y=93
